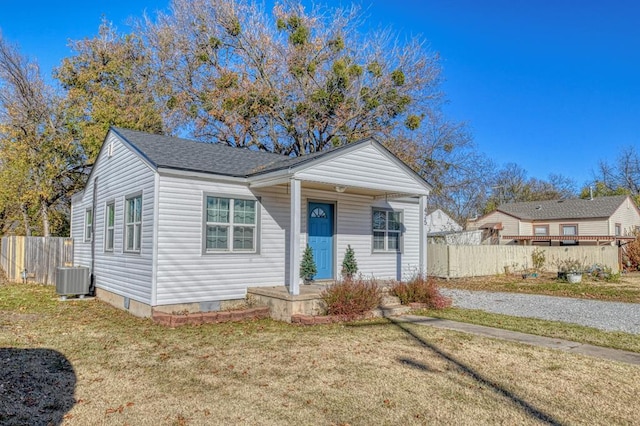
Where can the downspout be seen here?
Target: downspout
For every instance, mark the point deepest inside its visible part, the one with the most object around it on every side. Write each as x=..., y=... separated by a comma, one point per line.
x=92, y=277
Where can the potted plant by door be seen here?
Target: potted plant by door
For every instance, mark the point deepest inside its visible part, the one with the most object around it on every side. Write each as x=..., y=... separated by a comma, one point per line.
x=308, y=268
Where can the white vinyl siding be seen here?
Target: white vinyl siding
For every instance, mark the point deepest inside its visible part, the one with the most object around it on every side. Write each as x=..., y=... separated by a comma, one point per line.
x=186, y=272
x=119, y=176
x=365, y=167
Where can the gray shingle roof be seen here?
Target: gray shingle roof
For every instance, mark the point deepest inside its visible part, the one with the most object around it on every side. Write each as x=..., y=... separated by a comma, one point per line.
x=564, y=209
x=184, y=154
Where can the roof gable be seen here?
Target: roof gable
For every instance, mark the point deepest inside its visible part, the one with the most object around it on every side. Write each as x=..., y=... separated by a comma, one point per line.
x=576, y=208
x=182, y=154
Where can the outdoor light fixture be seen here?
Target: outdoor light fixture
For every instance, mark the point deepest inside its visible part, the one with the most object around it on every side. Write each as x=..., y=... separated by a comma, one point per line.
x=341, y=188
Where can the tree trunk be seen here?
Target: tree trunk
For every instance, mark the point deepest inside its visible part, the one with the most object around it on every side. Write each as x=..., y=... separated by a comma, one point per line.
x=44, y=212
x=25, y=219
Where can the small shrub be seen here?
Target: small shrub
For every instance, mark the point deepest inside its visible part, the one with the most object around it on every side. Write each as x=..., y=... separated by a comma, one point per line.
x=308, y=268
x=349, y=264
x=538, y=258
x=351, y=298
x=420, y=290
x=603, y=273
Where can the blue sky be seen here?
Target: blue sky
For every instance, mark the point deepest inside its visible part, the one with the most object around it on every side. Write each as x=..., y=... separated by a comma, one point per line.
x=553, y=86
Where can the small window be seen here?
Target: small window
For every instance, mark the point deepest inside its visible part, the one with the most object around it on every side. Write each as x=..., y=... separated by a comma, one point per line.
x=387, y=229
x=618, y=230
x=88, y=225
x=133, y=224
x=541, y=230
x=109, y=220
x=230, y=225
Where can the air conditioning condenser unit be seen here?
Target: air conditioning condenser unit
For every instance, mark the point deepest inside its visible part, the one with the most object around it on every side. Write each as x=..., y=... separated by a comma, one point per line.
x=72, y=281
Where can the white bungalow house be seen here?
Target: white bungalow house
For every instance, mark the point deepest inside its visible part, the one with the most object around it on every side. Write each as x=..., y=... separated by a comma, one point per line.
x=169, y=223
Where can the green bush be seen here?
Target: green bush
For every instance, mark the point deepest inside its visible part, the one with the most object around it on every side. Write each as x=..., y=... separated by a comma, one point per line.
x=349, y=264
x=420, y=290
x=351, y=298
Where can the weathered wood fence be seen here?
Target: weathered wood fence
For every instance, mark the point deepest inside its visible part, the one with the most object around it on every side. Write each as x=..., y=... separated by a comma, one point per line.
x=450, y=261
x=39, y=256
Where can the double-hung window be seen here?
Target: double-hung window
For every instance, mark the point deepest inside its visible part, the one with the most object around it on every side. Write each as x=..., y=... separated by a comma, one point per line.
x=133, y=223
x=230, y=224
x=618, y=230
x=109, y=221
x=88, y=225
x=387, y=229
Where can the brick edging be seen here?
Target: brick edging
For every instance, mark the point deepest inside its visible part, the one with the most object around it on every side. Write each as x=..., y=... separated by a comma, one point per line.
x=198, y=318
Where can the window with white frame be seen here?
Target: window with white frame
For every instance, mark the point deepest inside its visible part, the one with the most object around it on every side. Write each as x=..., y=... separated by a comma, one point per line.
x=109, y=226
x=133, y=224
x=88, y=225
x=618, y=230
x=387, y=229
x=230, y=224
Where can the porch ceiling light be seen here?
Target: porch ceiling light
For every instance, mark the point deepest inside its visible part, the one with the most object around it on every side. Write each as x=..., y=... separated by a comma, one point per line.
x=341, y=188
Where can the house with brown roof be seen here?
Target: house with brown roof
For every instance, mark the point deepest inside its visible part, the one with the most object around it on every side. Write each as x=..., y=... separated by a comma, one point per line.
x=596, y=221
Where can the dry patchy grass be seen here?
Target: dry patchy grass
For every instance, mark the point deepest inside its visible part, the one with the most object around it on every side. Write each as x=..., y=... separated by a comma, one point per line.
x=130, y=371
x=626, y=290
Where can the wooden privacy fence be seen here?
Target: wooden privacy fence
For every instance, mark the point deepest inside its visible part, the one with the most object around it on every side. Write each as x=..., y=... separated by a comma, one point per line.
x=476, y=261
x=39, y=256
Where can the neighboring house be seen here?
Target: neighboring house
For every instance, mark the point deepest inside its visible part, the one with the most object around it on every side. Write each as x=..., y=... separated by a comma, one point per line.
x=596, y=221
x=439, y=221
x=171, y=224
x=442, y=229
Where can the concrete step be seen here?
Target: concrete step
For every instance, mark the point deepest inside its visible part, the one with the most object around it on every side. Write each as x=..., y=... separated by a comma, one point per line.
x=388, y=300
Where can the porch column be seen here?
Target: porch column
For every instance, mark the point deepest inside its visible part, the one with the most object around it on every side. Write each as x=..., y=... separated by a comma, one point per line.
x=294, y=237
x=423, y=235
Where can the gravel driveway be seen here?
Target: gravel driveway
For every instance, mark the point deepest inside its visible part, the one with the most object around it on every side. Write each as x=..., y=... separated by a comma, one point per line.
x=609, y=316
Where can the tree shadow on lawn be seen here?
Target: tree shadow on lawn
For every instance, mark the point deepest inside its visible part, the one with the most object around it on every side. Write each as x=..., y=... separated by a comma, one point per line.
x=525, y=406
x=36, y=386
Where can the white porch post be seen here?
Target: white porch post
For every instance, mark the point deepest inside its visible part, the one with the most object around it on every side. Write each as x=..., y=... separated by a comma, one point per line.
x=423, y=235
x=294, y=237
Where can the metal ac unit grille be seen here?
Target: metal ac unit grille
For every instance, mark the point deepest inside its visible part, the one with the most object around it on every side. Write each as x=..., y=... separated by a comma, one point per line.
x=72, y=281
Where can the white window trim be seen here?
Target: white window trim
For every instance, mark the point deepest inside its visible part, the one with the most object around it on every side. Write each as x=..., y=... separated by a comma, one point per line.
x=230, y=225
x=88, y=225
x=107, y=227
x=386, y=231
x=137, y=236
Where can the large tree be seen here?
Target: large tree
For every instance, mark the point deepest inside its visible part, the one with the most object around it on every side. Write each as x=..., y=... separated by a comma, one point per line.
x=38, y=158
x=290, y=82
x=617, y=178
x=511, y=184
x=107, y=82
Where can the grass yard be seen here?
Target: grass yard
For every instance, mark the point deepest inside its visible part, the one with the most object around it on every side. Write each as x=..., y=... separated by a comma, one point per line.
x=93, y=364
x=626, y=290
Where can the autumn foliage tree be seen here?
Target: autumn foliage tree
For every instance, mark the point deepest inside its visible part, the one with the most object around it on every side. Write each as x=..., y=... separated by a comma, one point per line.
x=290, y=82
x=38, y=157
x=107, y=83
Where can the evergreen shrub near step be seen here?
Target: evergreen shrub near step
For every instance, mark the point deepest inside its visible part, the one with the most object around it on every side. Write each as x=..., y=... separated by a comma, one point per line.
x=351, y=298
x=420, y=290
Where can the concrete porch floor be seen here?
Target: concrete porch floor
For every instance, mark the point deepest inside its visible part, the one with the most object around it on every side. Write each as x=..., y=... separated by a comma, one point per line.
x=283, y=305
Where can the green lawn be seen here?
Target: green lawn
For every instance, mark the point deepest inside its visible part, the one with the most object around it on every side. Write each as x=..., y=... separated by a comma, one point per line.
x=93, y=364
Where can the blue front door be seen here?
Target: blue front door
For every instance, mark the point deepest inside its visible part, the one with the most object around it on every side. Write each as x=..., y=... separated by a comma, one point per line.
x=320, y=220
